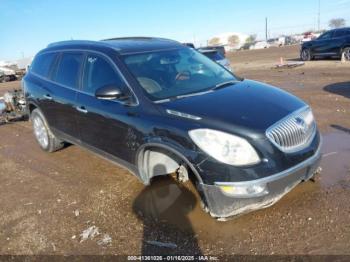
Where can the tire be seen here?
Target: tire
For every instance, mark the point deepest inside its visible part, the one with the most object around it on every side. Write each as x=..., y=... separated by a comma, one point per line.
x=305, y=55
x=45, y=138
x=346, y=54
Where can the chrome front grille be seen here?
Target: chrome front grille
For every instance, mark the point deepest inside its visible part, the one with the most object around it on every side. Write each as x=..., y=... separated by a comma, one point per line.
x=293, y=132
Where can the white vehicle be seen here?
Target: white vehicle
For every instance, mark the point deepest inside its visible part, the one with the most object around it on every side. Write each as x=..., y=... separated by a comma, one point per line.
x=7, y=74
x=7, y=71
x=260, y=45
x=277, y=42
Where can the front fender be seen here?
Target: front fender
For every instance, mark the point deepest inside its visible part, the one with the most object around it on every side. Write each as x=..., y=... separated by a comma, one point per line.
x=172, y=147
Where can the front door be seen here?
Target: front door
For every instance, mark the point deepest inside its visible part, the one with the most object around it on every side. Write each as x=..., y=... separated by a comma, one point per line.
x=103, y=124
x=323, y=44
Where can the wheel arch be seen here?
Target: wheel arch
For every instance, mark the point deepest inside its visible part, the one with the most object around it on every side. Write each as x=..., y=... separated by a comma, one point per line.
x=164, y=155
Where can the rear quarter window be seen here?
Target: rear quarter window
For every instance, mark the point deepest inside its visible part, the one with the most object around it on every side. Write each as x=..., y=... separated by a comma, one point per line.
x=42, y=64
x=68, y=70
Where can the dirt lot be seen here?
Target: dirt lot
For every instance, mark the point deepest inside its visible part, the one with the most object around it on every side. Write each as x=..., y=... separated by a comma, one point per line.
x=48, y=200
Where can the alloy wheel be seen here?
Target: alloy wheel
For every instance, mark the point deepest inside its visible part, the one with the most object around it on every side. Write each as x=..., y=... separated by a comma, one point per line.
x=40, y=132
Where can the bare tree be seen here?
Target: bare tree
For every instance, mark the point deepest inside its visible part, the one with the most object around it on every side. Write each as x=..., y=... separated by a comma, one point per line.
x=251, y=39
x=337, y=23
x=214, y=41
x=233, y=40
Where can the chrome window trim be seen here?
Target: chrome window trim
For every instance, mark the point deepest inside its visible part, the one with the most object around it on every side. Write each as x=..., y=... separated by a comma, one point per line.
x=85, y=51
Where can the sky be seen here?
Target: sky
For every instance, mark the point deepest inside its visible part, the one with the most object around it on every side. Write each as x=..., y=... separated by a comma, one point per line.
x=26, y=26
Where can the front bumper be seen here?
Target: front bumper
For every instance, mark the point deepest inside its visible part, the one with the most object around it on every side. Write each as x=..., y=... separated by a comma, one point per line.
x=222, y=205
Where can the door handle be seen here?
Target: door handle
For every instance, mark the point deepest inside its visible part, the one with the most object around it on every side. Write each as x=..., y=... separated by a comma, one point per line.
x=48, y=97
x=81, y=109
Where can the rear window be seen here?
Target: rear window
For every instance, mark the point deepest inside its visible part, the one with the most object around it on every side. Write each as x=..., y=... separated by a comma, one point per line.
x=68, y=69
x=43, y=63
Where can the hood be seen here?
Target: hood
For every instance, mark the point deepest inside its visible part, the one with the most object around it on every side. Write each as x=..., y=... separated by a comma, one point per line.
x=247, y=105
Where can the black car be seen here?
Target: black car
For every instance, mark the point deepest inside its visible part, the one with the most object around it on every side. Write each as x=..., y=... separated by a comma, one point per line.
x=157, y=107
x=333, y=43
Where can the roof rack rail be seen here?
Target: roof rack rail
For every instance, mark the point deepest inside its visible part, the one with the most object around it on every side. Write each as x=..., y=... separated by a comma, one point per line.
x=67, y=42
x=130, y=38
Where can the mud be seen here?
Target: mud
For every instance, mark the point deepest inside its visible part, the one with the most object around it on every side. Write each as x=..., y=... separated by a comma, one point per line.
x=41, y=193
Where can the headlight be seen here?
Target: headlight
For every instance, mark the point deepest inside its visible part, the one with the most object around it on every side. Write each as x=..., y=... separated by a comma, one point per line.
x=226, y=148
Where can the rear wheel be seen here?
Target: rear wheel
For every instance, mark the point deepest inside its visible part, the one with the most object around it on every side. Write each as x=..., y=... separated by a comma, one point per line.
x=346, y=54
x=305, y=55
x=47, y=141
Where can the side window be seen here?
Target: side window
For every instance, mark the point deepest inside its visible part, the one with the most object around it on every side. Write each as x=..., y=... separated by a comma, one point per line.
x=326, y=36
x=339, y=33
x=98, y=73
x=68, y=69
x=43, y=63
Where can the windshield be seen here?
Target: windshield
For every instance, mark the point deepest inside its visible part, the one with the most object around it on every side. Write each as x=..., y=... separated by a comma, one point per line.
x=168, y=74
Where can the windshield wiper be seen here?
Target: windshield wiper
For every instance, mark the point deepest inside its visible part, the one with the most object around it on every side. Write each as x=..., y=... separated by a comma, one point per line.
x=224, y=84
x=218, y=86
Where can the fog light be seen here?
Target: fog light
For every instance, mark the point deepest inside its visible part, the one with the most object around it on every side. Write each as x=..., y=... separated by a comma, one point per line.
x=243, y=190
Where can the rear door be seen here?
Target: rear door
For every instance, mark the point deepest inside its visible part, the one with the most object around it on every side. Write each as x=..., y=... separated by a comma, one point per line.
x=65, y=83
x=323, y=44
x=339, y=39
x=40, y=85
x=103, y=124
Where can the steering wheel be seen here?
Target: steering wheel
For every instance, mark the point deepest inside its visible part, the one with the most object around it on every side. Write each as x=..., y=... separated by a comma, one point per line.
x=183, y=75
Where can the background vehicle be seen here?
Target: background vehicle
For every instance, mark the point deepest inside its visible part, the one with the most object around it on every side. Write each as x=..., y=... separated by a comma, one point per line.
x=219, y=48
x=277, y=42
x=333, y=43
x=216, y=56
x=191, y=45
x=7, y=74
x=260, y=45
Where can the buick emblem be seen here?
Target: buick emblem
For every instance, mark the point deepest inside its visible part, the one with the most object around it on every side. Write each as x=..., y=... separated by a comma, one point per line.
x=301, y=124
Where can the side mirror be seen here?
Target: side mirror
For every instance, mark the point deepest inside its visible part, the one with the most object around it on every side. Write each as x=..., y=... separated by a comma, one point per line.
x=109, y=92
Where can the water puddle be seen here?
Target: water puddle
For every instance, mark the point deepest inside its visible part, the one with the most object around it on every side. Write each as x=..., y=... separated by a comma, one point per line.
x=336, y=158
x=179, y=205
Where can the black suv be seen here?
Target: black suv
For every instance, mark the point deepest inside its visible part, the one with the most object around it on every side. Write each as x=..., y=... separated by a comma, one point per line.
x=158, y=107
x=333, y=43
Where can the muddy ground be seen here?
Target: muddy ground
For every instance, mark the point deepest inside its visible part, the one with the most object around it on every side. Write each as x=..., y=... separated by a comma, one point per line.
x=48, y=200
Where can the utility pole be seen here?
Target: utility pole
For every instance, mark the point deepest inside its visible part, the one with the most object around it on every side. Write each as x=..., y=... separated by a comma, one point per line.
x=319, y=15
x=266, y=29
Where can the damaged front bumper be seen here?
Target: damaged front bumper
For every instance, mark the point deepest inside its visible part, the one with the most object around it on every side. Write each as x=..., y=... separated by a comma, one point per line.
x=228, y=199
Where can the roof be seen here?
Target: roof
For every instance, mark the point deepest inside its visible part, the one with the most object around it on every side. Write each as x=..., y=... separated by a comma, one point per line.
x=126, y=45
